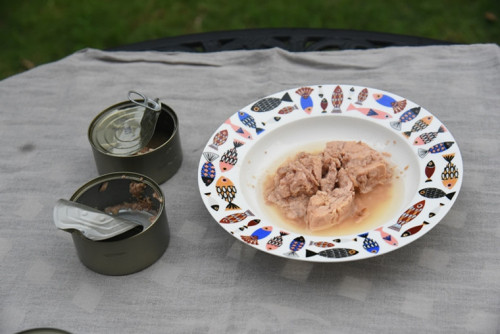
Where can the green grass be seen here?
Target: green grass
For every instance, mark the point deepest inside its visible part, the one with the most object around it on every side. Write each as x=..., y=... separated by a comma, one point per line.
x=36, y=32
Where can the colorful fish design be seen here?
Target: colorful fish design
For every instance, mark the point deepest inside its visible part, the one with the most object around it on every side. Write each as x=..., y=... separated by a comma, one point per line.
x=212, y=202
x=370, y=112
x=419, y=125
x=407, y=116
x=208, y=171
x=287, y=109
x=436, y=210
x=270, y=103
x=426, y=138
x=227, y=191
x=333, y=253
x=322, y=244
x=236, y=217
x=306, y=101
x=430, y=168
x=438, y=148
x=435, y=193
x=388, y=238
x=251, y=223
x=450, y=174
x=219, y=139
x=254, y=238
x=370, y=245
x=230, y=158
x=249, y=121
x=276, y=242
x=239, y=130
x=408, y=215
x=337, y=99
x=413, y=230
x=296, y=245
x=390, y=102
x=362, y=96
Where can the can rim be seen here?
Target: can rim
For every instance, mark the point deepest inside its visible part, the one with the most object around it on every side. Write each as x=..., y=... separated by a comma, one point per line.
x=121, y=175
x=164, y=108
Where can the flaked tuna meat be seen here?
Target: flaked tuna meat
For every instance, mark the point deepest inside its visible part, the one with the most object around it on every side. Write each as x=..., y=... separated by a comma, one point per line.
x=319, y=190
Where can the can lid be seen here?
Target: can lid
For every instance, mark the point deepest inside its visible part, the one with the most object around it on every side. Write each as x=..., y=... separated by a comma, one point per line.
x=128, y=128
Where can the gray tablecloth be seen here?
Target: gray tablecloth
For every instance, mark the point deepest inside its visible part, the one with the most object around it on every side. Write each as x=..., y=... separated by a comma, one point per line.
x=208, y=282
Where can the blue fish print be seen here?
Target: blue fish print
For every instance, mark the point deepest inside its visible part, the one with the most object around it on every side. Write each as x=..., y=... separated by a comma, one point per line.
x=249, y=121
x=370, y=245
x=261, y=233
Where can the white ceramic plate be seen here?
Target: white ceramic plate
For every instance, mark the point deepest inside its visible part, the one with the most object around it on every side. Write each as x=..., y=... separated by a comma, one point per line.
x=255, y=140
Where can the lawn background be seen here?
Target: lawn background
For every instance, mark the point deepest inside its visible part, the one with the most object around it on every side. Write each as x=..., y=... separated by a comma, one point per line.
x=34, y=32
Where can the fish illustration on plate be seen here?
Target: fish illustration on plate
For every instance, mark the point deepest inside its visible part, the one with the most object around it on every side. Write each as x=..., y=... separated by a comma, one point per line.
x=413, y=230
x=390, y=102
x=337, y=99
x=388, y=238
x=239, y=130
x=324, y=102
x=344, y=240
x=435, y=193
x=450, y=174
x=236, y=217
x=322, y=244
x=351, y=91
x=213, y=204
x=249, y=121
x=419, y=125
x=430, y=168
x=436, y=210
x=362, y=96
x=270, y=103
x=251, y=223
x=287, y=109
x=230, y=158
x=276, y=242
x=438, y=148
x=306, y=101
x=426, y=138
x=333, y=253
x=370, y=245
x=254, y=238
x=370, y=112
x=227, y=191
x=408, y=215
x=271, y=120
x=219, y=139
x=208, y=169
x=407, y=116
x=296, y=245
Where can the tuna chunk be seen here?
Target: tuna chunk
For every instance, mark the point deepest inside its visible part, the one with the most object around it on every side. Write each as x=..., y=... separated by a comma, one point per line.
x=318, y=190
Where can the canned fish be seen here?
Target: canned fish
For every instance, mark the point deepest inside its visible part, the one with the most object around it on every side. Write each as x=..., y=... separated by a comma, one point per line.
x=119, y=143
x=133, y=197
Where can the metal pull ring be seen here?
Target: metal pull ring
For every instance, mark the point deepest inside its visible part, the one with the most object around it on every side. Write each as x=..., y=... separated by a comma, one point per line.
x=146, y=103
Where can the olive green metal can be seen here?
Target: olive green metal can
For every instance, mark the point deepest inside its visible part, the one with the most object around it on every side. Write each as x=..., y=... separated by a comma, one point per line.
x=114, y=133
x=135, y=249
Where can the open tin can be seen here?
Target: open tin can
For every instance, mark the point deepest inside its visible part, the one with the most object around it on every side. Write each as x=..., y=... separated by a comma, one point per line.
x=115, y=137
x=137, y=248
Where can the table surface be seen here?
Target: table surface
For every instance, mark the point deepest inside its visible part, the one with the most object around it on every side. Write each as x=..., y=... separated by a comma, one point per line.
x=207, y=281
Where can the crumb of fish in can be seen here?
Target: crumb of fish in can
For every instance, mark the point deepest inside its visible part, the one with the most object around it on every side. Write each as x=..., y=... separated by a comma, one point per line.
x=103, y=187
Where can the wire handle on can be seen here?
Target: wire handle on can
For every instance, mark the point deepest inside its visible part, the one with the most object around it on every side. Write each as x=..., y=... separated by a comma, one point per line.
x=146, y=101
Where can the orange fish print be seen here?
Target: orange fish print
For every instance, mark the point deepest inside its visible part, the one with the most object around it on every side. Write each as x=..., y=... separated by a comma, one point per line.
x=408, y=215
x=227, y=191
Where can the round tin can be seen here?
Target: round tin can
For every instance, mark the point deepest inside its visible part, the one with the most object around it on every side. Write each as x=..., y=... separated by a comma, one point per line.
x=135, y=249
x=120, y=123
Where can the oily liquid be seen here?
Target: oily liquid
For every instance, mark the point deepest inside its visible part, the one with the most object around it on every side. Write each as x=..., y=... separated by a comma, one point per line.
x=381, y=204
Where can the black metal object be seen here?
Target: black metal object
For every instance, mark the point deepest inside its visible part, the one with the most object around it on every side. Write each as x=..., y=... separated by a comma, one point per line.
x=291, y=39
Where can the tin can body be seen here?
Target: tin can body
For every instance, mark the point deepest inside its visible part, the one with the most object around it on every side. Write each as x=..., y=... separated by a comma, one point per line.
x=135, y=249
x=161, y=158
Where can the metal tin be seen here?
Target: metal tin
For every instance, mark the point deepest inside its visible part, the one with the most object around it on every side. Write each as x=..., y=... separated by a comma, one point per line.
x=131, y=251
x=160, y=161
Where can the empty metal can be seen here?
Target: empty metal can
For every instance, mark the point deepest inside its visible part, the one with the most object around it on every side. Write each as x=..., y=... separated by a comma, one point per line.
x=138, y=197
x=114, y=137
